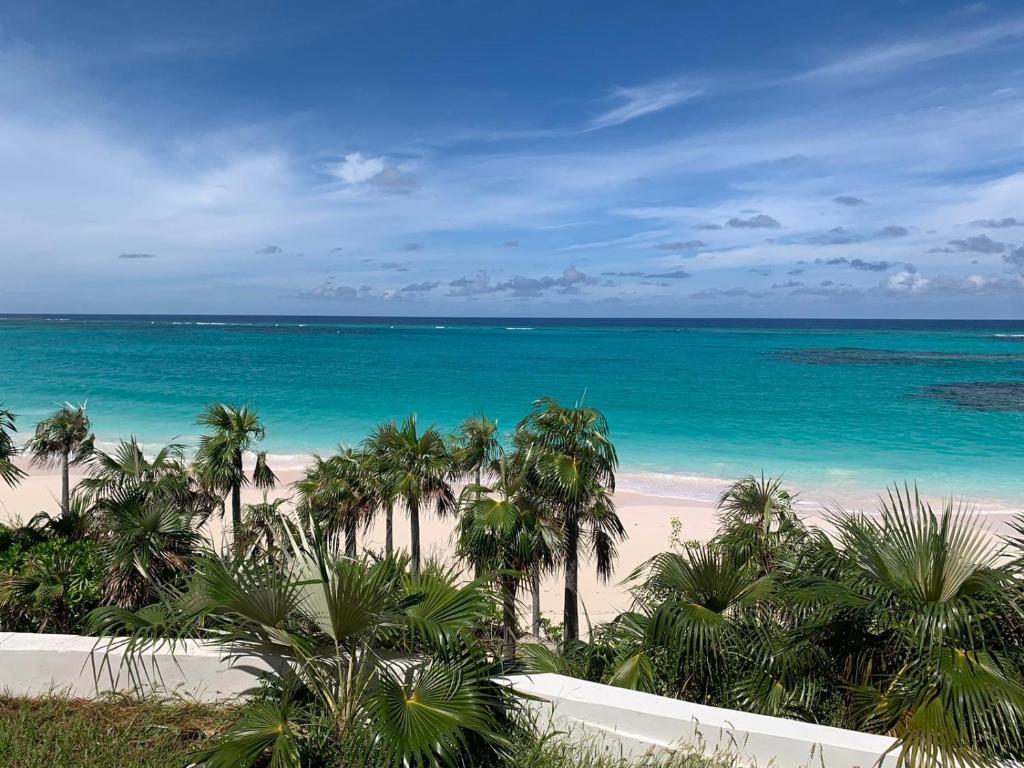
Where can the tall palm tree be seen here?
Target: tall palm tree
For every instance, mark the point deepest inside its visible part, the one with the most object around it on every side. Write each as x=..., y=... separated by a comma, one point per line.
x=333, y=626
x=423, y=470
x=65, y=439
x=501, y=530
x=219, y=458
x=575, y=473
x=476, y=446
x=337, y=494
x=383, y=477
x=10, y=473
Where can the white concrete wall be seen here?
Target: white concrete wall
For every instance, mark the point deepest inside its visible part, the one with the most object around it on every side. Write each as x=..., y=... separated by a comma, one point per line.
x=630, y=723
x=622, y=722
x=34, y=665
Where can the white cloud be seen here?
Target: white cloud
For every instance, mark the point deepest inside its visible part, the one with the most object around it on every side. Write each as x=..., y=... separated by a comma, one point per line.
x=880, y=59
x=646, y=99
x=357, y=167
x=907, y=282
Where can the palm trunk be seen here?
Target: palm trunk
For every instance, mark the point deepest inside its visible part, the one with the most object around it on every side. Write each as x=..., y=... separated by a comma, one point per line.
x=236, y=504
x=350, y=536
x=389, y=530
x=414, y=528
x=478, y=568
x=65, y=485
x=508, y=618
x=535, y=590
x=571, y=616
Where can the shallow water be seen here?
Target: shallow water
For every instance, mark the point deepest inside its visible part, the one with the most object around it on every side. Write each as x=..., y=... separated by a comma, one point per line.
x=840, y=407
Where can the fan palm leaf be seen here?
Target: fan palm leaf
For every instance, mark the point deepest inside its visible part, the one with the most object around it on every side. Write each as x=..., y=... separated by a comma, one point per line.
x=10, y=472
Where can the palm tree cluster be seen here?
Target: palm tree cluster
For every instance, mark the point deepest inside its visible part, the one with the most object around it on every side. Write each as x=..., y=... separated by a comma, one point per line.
x=527, y=509
x=907, y=623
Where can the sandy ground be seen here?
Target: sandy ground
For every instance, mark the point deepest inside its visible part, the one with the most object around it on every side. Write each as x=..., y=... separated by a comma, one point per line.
x=648, y=521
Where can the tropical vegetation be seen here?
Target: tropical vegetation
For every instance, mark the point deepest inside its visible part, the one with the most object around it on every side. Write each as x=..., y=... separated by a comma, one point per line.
x=64, y=440
x=907, y=621
x=69, y=733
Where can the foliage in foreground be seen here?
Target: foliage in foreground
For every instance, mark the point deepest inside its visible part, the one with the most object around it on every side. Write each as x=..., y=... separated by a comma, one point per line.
x=56, y=731
x=353, y=642
x=908, y=623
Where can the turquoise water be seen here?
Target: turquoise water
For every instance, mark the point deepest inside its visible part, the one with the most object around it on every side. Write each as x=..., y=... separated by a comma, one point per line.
x=839, y=407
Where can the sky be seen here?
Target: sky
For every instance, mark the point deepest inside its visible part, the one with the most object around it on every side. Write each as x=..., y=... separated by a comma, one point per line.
x=396, y=157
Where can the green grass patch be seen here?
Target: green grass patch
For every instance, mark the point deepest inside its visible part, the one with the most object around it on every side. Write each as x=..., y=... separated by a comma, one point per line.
x=56, y=732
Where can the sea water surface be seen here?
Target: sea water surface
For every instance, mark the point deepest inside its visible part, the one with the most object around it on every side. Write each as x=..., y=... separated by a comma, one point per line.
x=840, y=407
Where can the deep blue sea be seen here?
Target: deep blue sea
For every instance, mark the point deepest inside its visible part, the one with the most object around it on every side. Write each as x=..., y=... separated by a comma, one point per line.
x=840, y=407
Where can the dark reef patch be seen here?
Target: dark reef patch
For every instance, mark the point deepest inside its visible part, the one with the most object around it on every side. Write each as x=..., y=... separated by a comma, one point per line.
x=1000, y=396
x=880, y=357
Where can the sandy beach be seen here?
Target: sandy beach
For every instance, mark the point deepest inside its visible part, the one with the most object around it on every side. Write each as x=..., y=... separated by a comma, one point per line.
x=648, y=520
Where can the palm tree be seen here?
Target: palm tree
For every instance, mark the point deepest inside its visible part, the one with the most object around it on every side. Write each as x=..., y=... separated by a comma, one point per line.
x=422, y=468
x=383, y=478
x=757, y=521
x=126, y=470
x=264, y=526
x=65, y=439
x=337, y=494
x=575, y=474
x=10, y=473
x=501, y=530
x=234, y=431
x=924, y=619
x=692, y=609
x=476, y=446
x=147, y=543
x=332, y=624
x=126, y=466
x=145, y=514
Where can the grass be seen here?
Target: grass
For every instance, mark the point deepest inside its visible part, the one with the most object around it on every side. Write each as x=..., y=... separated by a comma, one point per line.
x=57, y=732
x=554, y=752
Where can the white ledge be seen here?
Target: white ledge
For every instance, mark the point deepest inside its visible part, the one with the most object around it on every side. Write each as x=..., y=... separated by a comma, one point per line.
x=84, y=667
x=631, y=723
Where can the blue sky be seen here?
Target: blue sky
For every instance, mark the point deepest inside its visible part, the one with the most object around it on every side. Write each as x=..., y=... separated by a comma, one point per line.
x=527, y=158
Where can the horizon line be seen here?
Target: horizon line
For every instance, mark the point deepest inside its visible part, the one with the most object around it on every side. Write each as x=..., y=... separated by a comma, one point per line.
x=536, y=318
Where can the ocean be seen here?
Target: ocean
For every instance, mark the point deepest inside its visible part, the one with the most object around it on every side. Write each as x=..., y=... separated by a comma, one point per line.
x=841, y=408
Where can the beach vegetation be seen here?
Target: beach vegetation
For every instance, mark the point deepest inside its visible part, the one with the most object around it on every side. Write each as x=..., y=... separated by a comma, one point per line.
x=501, y=531
x=10, y=473
x=574, y=472
x=906, y=621
x=48, y=583
x=63, y=440
x=355, y=642
x=420, y=470
x=232, y=431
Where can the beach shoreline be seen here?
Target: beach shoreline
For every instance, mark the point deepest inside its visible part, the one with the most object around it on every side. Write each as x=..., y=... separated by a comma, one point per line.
x=647, y=518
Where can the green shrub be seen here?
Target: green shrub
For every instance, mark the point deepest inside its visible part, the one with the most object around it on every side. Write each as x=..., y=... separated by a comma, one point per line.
x=49, y=586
